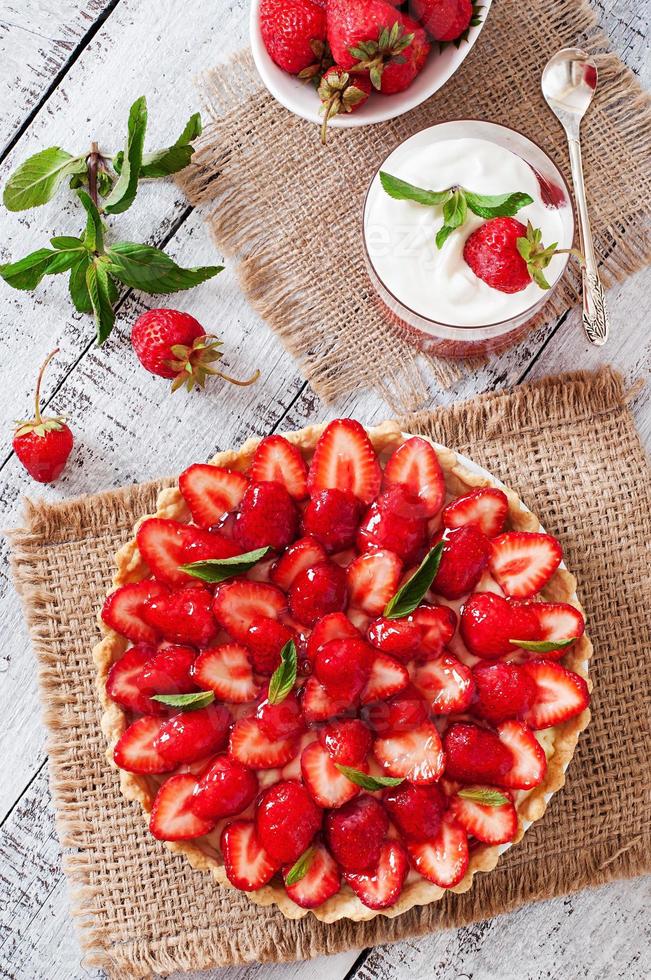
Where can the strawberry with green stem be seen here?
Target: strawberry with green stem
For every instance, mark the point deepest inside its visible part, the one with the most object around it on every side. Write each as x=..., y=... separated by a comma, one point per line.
x=43, y=444
x=341, y=92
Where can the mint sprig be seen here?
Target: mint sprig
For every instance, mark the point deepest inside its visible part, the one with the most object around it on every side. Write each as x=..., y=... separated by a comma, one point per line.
x=456, y=202
x=412, y=593
x=105, y=185
x=187, y=702
x=284, y=677
x=221, y=569
x=366, y=781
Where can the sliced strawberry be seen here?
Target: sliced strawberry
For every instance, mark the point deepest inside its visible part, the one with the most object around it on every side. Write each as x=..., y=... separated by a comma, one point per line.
x=171, y=816
x=373, y=580
x=387, y=677
x=265, y=639
x=437, y=626
x=211, y=492
x=356, y=831
x=250, y=746
x=192, y=735
x=317, y=704
x=226, y=670
x=165, y=545
x=491, y=824
x=328, y=787
x=267, y=518
x=122, y=683
x=247, y=864
x=381, y=888
x=281, y=720
x=332, y=516
x=415, y=465
x=443, y=859
x=318, y=592
x=183, y=617
x=523, y=562
x=321, y=881
x=286, y=820
x=239, y=603
x=348, y=741
x=301, y=555
x=503, y=691
x=416, y=755
x=529, y=761
x=447, y=684
x=486, y=508
x=475, y=755
x=335, y=626
x=560, y=694
x=489, y=623
x=169, y=671
x=279, y=461
x=225, y=789
x=135, y=750
x=416, y=811
x=396, y=521
x=403, y=712
x=122, y=610
x=556, y=621
x=399, y=638
x=344, y=668
x=465, y=555
x=344, y=459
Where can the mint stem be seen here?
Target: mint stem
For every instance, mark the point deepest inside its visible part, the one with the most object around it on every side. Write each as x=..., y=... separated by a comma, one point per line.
x=93, y=161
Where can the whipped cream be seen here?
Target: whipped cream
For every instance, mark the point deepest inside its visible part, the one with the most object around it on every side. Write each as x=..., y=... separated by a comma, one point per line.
x=400, y=235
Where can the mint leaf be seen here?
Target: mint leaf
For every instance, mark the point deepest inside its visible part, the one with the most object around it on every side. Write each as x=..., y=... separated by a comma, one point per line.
x=400, y=190
x=220, y=569
x=28, y=272
x=544, y=646
x=363, y=779
x=67, y=243
x=124, y=192
x=99, y=291
x=483, y=795
x=94, y=235
x=189, y=702
x=170, y=160
x=36, y=180
x=192, y=129
x=455, y=210
x=284, y=677
x=442, y=235
x=412, y=593
x=152, y=271
x=77, y=285
x=497, y=205
x=301, y=868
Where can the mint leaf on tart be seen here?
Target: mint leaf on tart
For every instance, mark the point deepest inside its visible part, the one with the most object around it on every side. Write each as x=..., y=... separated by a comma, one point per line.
x=483, y=795
x=544, y=646
x=412, y=593
x=301, y=868
x=188, y=702
x=284, y=677
x=219, y=569
x=366, y=781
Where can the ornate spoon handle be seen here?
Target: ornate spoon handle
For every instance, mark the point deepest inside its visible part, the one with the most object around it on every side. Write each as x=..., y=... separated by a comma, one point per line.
x=595, y=315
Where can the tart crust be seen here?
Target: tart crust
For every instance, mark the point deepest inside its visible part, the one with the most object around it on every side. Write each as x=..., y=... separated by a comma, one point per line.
x=559, y=742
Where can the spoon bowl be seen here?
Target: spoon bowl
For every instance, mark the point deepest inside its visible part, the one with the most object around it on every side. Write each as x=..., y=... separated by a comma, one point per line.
x=569, y=81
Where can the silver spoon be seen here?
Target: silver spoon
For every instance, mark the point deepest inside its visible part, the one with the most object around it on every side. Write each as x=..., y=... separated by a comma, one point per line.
x=569, y=81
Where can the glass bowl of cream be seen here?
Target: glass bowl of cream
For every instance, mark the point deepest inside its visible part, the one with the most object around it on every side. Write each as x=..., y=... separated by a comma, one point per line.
x=431, y=290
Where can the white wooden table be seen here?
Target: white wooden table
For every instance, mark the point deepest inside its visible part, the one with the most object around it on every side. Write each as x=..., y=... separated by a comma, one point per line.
x=69, y=69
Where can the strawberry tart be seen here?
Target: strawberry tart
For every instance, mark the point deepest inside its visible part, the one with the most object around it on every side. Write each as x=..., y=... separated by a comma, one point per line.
x=342, y=670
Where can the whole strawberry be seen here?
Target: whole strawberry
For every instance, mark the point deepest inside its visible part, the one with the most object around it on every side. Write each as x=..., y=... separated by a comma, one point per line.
x=444, y=20
x=508, y=256
x=43, y=444
x=294, y=33
x=339, y=92
x=400, y=72
x=175, y=345
x=367, y=36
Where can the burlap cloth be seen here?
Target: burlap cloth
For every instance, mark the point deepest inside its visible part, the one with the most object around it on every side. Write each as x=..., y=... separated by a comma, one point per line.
x=290, y=210
x=569, y=447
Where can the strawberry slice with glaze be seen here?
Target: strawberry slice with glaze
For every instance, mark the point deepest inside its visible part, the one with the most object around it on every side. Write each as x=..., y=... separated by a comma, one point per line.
x=301, y=555
x=239, y=603
x=403, y=712
x=560, y=694
x=165, y=545
x=415, y=465
x=489, y=823
x=399, y=638
x=522, y=562
x=446, y=683
x=192, y=735
x=347, y=741
x=183, y=617
x=444, y=858
x=247, y=864
x=489, y=623
x=136, y=751
x=277, y=460
x=317, y=704
x=466, y=551
x=226, y=670
x=344, y=459
x=211, y=492
x=334, y=626
x=321, y=881
x=123, y=608
x=476, y=755
x=486, y=508
x=529, y=761
x=556, y=621
x=328, y=787
x=250, y=746
x=437, y=625
x=123, y=682
x=416, y=755
x=171, y=816
x=387, y=678
x=382, y=887
x=169, y=671
x=373, y=580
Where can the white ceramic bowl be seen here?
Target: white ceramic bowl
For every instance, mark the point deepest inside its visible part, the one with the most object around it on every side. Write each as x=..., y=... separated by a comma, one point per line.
x=301, y=99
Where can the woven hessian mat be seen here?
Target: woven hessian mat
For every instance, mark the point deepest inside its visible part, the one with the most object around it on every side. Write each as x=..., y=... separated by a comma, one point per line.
x=289, y=210
x=568, y=446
